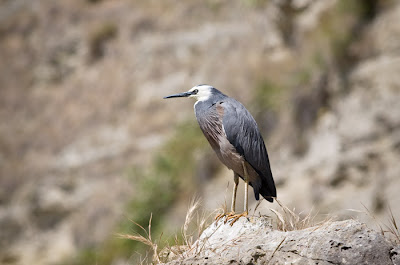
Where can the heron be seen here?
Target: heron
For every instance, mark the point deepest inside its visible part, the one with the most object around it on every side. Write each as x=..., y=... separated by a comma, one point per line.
x=234, y=136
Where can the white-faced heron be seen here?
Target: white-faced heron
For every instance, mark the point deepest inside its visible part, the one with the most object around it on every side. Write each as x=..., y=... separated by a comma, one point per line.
x=233, y=134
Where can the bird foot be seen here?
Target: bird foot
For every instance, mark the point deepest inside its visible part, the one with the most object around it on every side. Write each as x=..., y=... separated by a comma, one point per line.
x=235, y=217
x=231, y=216
x=222, y=215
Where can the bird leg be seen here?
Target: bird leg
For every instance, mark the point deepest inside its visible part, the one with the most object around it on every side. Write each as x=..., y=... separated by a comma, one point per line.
x=236, y=217
x=246, y=189
x=236, y=180
x=232, y=213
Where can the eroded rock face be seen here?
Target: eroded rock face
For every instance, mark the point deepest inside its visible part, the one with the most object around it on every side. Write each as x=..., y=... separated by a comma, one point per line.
x=351, y=148
x=77, y=123
x=253, y=241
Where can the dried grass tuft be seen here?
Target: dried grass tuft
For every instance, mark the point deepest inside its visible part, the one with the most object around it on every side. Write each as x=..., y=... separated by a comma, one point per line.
x=390, y=229
x=198, y=221
x=187, y=235
x=194, y=225
x=289, y=220
x=147, y=240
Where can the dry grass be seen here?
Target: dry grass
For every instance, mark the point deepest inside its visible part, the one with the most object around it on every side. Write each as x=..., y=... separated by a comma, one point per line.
x=276, y=249
x=388, y=229
x=147, y=239
x=194, y=225
x=289, y=220
x=223, y=209
x=392, y=227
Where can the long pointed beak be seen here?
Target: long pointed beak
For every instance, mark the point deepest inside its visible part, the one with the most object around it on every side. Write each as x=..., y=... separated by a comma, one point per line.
x=179, y=95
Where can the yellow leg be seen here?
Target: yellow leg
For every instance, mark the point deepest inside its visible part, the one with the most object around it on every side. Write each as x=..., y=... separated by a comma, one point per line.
x=236, y=180
x=246, y=189
x=233, y=205
x=236, y=217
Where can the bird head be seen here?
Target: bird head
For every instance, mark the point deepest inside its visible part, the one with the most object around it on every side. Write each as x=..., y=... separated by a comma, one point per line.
x=199, y=92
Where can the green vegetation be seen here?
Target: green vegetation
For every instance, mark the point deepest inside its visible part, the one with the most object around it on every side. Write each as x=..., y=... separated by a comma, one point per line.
x=255, y=3
x=156, y=188
x=328, y=44
x=266, y=102
x=267, y=95
x=94, y=1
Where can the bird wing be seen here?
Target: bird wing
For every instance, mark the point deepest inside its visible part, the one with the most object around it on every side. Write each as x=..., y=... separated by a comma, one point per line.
x=242, y=132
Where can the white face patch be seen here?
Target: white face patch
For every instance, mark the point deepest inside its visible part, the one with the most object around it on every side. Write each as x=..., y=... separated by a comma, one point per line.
x=203, y=92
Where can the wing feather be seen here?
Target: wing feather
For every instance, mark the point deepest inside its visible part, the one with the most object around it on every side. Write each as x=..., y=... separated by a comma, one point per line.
x=242, y=132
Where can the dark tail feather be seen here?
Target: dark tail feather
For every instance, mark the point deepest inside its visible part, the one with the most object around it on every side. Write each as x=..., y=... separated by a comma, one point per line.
x=266, y=195
x=268, y=189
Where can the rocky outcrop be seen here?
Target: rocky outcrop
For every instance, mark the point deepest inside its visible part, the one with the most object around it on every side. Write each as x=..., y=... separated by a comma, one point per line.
x=253, y=241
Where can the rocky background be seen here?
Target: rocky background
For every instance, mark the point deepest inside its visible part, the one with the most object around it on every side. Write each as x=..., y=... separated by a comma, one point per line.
x=87, y=142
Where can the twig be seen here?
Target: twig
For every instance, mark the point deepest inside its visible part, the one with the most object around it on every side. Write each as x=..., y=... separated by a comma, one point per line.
x=276, y=249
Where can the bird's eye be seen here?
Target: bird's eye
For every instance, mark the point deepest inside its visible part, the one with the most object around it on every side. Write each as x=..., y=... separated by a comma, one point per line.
x=194, y=92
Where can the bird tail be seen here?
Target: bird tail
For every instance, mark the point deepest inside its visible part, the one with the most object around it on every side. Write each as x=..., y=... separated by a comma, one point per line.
x=268, y=189
x=264, y=186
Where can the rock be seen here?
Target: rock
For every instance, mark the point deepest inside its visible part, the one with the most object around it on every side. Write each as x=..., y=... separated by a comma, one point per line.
x=254, y=241
x=395, y=255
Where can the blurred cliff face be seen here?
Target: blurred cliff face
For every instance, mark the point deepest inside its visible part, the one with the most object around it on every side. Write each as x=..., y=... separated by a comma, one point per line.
x=84, y=131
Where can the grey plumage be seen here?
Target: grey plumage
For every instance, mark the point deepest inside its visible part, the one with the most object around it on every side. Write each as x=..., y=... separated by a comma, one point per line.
x=242, y=132
x=234, y=135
